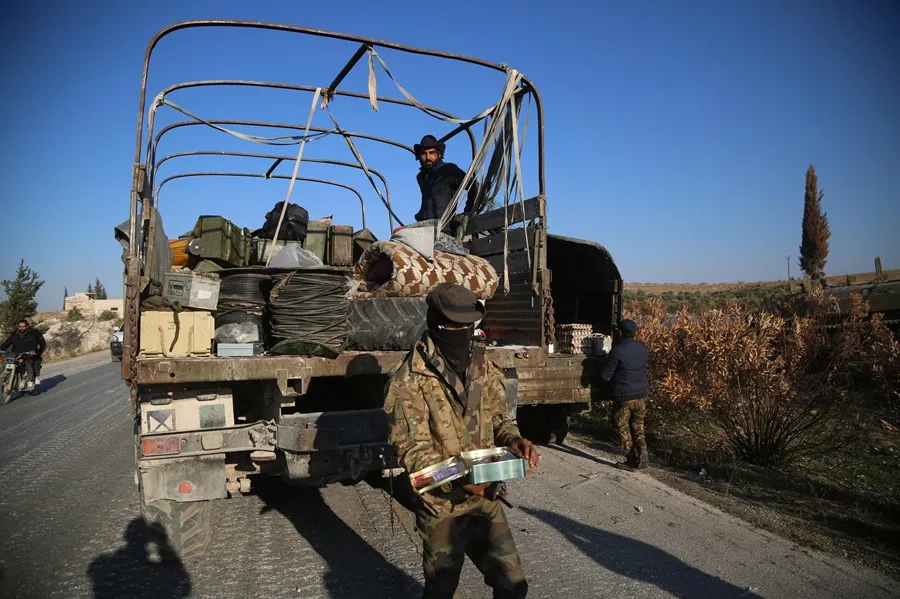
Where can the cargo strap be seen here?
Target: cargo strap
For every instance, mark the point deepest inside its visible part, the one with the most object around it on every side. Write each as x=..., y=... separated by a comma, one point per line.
x=502, y=119
x=362, y=165
x=287, y=198
x=158, y=302
x=468, y=396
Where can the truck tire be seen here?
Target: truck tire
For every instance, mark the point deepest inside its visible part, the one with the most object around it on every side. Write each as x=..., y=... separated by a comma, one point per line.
x=543, y=425
x=177, y=530
x=6, y=388
x=389, y=323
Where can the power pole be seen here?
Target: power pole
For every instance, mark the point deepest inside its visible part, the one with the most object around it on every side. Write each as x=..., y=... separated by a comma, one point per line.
x=788, y=258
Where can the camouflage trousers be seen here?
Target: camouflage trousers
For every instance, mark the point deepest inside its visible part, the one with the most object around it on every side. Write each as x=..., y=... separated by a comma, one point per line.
x=628, y=418
x=481, y=533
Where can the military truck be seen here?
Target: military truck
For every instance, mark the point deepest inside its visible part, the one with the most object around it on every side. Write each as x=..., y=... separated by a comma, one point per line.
x=206, y=426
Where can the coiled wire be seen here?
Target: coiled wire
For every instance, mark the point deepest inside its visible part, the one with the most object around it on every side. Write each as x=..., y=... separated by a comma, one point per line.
x=243, y=299
x=310, y=306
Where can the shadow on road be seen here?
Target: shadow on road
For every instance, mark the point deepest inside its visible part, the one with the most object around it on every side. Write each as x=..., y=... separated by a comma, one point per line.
x=354, y=568
x=583, y=454
x=640, y=561
x=129, y=573
x=50, y=383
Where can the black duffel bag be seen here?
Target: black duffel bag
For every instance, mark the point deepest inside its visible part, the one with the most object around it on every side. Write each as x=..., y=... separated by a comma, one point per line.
x=293, y=228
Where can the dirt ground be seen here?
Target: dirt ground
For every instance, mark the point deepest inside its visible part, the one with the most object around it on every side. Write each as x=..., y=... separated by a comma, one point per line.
x=846, y=502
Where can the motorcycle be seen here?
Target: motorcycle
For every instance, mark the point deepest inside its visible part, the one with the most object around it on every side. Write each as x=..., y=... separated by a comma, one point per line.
x=13, y=378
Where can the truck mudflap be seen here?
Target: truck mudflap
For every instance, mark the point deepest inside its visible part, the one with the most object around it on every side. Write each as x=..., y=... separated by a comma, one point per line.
x=183, y=479
x=326, y=447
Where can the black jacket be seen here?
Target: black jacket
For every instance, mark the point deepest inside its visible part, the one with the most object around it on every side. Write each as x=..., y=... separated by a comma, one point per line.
x=30, y=340
x=626, y=367
x=438, y=184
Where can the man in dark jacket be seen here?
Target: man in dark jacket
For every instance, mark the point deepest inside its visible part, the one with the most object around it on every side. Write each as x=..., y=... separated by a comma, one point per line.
x=626, y=368
x=26, y=340
x=438, y=180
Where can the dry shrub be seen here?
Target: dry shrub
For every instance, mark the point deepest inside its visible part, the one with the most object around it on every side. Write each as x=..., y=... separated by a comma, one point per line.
x=773, y=385
x=65, y=343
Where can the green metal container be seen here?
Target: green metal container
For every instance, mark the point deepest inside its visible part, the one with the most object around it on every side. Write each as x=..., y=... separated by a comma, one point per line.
x=218, y=239
x=361, y=241
x=340, y=245
x=317, y=239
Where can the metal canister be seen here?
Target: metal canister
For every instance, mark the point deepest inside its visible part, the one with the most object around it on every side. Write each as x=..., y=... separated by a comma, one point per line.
x=600, y=344
x=492, y=465
x=438, y=474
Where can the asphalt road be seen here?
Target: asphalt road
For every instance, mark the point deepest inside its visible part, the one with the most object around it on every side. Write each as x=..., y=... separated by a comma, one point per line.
x=69, y=520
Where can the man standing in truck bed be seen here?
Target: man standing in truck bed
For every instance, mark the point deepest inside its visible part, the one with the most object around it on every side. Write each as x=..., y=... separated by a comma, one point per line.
x=438, y=180
x=445, y=399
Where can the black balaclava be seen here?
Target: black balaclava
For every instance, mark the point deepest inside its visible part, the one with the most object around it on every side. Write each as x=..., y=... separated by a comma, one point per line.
x=455, y=346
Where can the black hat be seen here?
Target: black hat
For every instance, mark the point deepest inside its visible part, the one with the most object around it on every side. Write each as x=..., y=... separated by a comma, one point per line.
x=628, y=326
x=456, y=303
x=429, y=141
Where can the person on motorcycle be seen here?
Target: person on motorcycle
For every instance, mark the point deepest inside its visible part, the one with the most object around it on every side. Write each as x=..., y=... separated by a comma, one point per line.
x=29, y=341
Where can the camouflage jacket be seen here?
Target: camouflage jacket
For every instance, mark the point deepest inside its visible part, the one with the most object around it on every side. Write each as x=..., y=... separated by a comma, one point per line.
x=429, y=424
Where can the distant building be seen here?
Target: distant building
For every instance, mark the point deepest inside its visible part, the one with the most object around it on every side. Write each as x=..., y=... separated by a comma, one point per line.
x=93, y=307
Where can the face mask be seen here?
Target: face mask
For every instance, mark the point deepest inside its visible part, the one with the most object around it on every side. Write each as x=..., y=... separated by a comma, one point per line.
x=455, y=346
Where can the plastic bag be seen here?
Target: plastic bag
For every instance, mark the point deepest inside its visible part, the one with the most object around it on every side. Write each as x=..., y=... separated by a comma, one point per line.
x=419, y=236
x=294, y=256
x=238, y=332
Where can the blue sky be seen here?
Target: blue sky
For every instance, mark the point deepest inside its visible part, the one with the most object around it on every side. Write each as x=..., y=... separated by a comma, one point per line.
x=677, y=134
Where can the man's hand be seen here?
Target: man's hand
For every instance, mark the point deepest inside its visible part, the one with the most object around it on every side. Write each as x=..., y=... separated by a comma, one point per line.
x=475, y=489
x=526, y=449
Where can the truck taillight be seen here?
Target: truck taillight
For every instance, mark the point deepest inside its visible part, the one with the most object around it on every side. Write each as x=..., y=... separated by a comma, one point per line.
x=160, y=445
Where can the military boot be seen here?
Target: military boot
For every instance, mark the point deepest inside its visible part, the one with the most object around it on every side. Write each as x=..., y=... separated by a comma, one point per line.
x=630, y=463
x=643, y=459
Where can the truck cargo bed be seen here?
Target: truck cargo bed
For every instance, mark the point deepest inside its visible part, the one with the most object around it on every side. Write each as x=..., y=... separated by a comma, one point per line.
x=152, y=371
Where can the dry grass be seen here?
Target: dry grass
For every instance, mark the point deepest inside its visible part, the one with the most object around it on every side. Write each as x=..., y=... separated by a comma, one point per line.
x=831, y=281
x=772, y=385
x=656, y=288
x=793, y=419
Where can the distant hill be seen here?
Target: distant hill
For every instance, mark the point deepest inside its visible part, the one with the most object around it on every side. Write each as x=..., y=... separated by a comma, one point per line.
x=698, y=297
x=658, y=288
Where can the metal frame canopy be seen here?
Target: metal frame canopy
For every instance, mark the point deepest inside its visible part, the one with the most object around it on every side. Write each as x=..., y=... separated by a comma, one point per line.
x=145, y=164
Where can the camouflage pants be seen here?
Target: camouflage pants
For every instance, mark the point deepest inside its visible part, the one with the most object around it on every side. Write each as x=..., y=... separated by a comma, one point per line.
x=481, y=533
x=630, y=415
